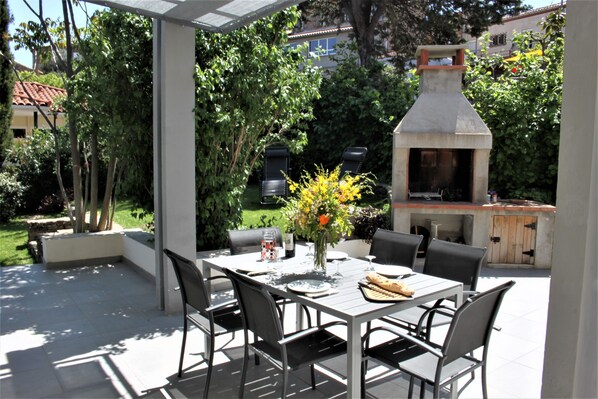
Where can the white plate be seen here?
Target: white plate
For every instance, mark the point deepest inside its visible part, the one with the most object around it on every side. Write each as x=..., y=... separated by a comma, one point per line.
x=309, y=286
x=336, y=255
x=392, y=271
x=253, y=267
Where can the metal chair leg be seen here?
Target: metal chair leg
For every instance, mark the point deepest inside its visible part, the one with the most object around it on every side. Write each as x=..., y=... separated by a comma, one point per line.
x=313, y=376
x=183, y=347
x=422, y=390
x=411, y=381
x=210, y=363
x=244, y=370
x=285, y=377
x=484, y=387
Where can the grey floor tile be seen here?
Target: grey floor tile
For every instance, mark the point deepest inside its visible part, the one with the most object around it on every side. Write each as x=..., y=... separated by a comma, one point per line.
x=31, y=384
x=26, y=359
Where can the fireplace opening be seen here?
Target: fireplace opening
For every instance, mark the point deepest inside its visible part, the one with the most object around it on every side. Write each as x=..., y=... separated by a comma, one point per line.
x=446, y=171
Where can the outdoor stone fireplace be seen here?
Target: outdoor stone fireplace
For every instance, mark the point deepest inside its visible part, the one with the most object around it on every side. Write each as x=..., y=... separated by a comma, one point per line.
x=441, y=155
x=442, y=145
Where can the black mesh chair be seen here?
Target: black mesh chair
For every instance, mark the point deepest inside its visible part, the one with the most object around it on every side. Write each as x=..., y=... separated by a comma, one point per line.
x=273, y=183
x=451, y=261
x=440, y=365
x=250, y=240
x=352, y=160
x=395, y=248
x=284, y=351
x=212, y=320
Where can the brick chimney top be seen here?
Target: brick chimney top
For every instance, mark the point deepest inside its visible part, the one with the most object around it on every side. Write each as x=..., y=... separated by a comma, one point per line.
x=425, y=53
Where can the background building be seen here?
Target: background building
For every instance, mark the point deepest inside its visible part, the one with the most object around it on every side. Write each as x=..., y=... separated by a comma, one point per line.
x=26, y=116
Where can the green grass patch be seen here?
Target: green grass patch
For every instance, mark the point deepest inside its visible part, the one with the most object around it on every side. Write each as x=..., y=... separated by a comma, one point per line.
x=126, y=215
x=13, y=243
x=258, y=215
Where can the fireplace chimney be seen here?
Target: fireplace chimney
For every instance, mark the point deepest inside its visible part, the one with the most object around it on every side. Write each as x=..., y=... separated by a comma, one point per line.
x=442, y=145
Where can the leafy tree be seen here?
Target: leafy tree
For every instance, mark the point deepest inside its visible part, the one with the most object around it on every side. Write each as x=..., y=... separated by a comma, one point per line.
x=60, y=37
x=50, y=79
x=521, y=104
x=359, y=106
x=113, y=96
x=407, y=24
x=251, y=91
x=59, y=40
x=6, y=82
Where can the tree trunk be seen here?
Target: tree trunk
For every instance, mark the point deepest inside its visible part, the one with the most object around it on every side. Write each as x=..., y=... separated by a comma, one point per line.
x=93, y=205
x=105, y=222
x=365, y=16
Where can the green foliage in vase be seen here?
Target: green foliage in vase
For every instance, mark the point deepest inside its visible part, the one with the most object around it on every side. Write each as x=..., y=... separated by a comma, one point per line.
x=520, y=101
x=251, y=91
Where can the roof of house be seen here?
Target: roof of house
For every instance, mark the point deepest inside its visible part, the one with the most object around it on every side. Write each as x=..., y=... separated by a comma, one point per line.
x=44, y=95
x=535, y=11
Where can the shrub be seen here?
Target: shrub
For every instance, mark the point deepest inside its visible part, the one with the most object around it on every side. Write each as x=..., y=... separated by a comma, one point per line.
x=11, y=195
x=32, y=162
x=368, y=219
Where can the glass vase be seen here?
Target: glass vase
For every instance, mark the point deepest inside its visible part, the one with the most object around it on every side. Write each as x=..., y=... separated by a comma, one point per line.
x=320, y=252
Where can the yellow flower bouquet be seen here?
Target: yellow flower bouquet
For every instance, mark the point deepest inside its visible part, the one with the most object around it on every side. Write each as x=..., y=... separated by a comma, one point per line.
x=319, y=208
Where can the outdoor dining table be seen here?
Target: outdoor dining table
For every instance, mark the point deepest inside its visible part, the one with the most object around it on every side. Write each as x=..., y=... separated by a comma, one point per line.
x=346, y=303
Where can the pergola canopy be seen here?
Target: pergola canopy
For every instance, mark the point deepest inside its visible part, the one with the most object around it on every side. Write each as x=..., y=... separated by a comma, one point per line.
x=219, y=16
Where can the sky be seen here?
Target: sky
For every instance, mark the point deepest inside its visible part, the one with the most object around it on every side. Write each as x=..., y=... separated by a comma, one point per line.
x=53, y=9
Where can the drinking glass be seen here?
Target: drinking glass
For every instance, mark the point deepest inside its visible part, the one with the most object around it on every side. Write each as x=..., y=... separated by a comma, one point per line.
x=370, y=268
x=337, y=263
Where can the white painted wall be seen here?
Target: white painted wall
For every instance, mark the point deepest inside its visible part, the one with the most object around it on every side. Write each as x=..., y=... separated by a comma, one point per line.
x=571, y=351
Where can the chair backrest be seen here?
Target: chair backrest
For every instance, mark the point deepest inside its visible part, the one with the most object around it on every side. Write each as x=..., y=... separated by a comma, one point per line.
x=352, y=159
x=395, y=248
x=258, y=308
x=472, y=323
x=456, y=262
x=250, y=240
x=191, y=285
x=276, y=162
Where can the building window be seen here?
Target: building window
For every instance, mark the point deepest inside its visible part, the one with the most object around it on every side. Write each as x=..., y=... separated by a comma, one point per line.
x=19, y=133
x=322, y=47
x=498, y=40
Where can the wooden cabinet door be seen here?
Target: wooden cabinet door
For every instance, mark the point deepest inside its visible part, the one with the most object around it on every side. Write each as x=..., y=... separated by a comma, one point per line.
x=513, y=240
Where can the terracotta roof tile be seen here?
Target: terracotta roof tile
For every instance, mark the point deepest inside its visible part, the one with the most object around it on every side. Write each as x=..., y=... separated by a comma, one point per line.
x=43, y=94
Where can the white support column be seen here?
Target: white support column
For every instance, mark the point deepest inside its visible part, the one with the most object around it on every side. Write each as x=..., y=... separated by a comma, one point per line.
x=174, y=153
x=571, y=353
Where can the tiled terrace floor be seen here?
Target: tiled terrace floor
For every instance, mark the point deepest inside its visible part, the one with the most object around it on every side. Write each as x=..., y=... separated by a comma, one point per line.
x=94, y=332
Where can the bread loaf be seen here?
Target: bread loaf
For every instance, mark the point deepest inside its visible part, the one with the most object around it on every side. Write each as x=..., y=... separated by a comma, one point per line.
x=391, y=285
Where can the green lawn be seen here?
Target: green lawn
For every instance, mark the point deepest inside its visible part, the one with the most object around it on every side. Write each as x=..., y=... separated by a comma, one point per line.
x=13, y=243
x=257, y=215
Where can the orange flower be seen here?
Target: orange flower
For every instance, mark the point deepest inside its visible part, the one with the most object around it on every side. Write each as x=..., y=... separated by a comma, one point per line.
x=324, y=220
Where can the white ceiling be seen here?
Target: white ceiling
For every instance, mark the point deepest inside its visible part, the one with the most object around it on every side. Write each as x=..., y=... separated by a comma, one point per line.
x=212, y=15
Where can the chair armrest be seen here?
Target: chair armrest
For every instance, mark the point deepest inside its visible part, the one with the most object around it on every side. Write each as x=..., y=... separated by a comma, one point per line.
x=221, y=305
x=308, y=331
x=428, y=347
x=216, y=278
x=428, y=315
